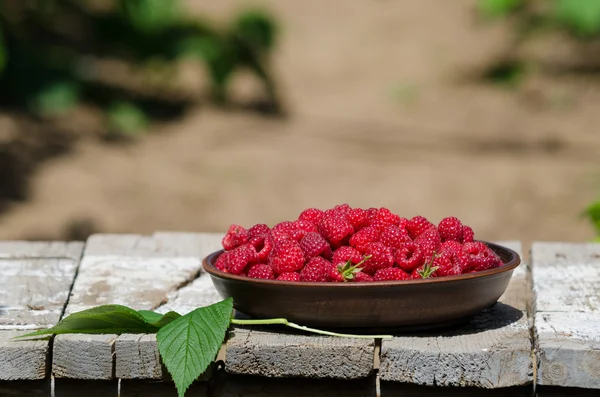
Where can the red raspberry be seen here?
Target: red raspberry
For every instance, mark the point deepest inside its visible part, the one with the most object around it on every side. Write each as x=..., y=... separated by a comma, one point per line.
x=393, y=237
x=345, y=254
x=364, y=237
x=342, y=209
x=390, y=274
x=430, y=242
x=384, y=218
x=427, y=270
x=362, y=277
x=313, y=244
x=358, y=218
x=261, y=271
x=409, y=256
x=258, y=230
x=240, y=258
x=236, y=236
x=417, y=225
x=289, y=276
x=311, y=215
x=222, y=261
x=380, y=258
x=468, y=234
x=315, y=270
x=336, y=230
x=403, y=223
x=263, y=245
x=459, y=257
x=334, y=275
x=305, y=226
x=283, y=230
x=480, y=257
x=451, y=228
x=286, y=256
x=447, y=264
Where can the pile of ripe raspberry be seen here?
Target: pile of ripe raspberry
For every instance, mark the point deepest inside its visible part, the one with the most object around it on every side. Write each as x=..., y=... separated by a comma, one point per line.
x=354, y=244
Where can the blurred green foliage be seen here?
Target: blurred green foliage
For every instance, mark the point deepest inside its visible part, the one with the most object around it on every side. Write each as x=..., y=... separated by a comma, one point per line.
x=48, y=49
x=593, y=214
x=579, y=19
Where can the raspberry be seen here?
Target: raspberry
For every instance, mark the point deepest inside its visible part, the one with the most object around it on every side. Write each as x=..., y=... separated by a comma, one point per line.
x=258, y=230
x=342, y=209
x=409, y=256
x=345, y=254
x=241, y=257
x=344, y=271
x=393, y=237
x=286, y=256
x=335, y=229
x=364, y=237
x=334, y=275
x=263, y=245
x=390, y=274
x=222, y=261
x=402, y=223
x=384, y=218
x=417, y=225
x=289, y=276
x=459, y=257
x=380, y=258
x=468, y=234
x=313, y=244
x=430, y=242
x=283, y=230
x=313, y=215
x=306, y=226
x=315, y=270
x=362, y=277
x=236, y=236
x=358, y=218
x=480, y=257
x=427, y=270
x=451, y=229
x=261, y=271
x=447, y=264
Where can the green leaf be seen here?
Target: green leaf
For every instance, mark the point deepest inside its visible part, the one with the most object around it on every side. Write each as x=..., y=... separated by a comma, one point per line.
x=498, y=8
x=106, y=319
x=582, y=17
x=158, y=319
x=150, y=16
x=257, y=29
x=189, y=344
x=127, y=118
x=56, y=98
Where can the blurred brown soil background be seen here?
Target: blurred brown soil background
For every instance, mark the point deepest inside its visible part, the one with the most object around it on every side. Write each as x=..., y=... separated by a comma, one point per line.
x=384, y=108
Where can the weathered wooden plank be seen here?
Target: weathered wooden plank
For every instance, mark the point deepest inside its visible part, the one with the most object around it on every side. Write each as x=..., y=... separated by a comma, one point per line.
x=137, y=357
x=52, y=249
x=200, y=292
x=276, y=354
x=566, y=279
x=22, y=359
x=491, y=351
x=79, y=356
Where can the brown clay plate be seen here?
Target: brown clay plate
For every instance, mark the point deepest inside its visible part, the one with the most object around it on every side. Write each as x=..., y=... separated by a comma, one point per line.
x=411, y=304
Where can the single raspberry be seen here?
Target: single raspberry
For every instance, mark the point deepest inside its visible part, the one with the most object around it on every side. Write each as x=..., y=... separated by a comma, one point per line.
x=380, y=257
x=358, y=218
x=261, y=270
x=417, y=225
x=236, y=236
x=345, y=254
x=344, y=271
x=283, y=230
x=313, y=244
x=240, y=258
x=315, y=270
x=286, y=256
x=451, y=228
x=263, y=244
x=480, y=257
x=223, y=261
x=334, y=275
x=384, y=218
x=306, y=226
x=409, y=256
x=364, y=237
x=393, y=237
x=430, y=242
x=459, y=257
x=289, y=276
x=258, y=230
x=362, y=277
x=402, y=223
x=447, y=264
x=336, y=230
x=468, y=234
x=427, y=270
x=390, y=274
x=342, y=209
x=313, y=215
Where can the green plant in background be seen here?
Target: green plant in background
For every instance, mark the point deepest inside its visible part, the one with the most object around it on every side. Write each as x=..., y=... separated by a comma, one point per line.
x=50, y=51
x=579, y=19
x=592, y=212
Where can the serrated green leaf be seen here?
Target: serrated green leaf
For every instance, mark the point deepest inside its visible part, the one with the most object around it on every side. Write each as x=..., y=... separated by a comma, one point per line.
x=189, y=344
x=106, y=319
x=157, y=319
x=580, y=16
x=498, y=8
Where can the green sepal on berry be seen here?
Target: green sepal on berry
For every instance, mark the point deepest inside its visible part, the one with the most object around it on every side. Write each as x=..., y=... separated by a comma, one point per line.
x=348, y=270
x=428, y=269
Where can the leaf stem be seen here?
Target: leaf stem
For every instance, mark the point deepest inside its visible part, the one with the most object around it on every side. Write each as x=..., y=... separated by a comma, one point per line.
x=283, y=321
